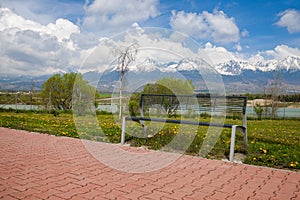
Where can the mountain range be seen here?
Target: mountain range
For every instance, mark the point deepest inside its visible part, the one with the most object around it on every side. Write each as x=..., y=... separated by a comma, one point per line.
x=239, y=76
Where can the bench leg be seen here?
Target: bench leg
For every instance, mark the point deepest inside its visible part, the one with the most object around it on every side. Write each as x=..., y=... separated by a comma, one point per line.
x=244, y=132
x=232, y=143
x=245, y=140
x=123, y=131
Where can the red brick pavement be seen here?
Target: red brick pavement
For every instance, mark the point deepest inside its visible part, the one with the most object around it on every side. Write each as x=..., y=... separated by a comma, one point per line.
x=40, y=166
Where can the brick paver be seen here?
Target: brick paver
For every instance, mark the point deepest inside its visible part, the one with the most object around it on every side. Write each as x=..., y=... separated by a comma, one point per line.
x=40, y=166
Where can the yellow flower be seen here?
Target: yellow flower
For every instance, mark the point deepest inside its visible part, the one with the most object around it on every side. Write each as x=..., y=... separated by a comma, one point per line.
x=263, y=150
x=294, y=164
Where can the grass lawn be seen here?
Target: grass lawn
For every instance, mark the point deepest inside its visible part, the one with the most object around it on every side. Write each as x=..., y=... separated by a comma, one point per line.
x=272, y=143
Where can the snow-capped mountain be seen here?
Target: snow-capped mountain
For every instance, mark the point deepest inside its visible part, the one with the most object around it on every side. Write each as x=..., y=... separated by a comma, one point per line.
x=238, y=75
x=229, y=68
x=290, y=64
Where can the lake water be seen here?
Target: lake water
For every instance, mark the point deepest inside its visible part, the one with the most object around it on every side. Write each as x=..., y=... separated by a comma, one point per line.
x=282, y=112
x=22, y=107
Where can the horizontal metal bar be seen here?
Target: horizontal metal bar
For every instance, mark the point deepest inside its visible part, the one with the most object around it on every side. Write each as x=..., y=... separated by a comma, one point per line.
x=197, y=96
x=174, y=121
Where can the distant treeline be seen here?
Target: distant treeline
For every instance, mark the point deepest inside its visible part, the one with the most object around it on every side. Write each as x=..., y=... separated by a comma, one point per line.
x=282, y=98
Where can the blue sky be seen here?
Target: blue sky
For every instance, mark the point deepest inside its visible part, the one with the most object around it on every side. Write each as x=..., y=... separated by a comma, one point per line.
x=268, y=29
x=257, y=17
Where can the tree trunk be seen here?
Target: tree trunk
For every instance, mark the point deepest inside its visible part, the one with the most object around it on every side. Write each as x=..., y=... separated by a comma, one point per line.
x=121, y=90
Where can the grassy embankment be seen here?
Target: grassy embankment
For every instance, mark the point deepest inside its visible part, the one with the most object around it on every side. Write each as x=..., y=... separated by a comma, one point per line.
x=272, y=143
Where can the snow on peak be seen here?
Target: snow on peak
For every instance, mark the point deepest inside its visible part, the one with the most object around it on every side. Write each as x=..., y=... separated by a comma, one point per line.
x=234, y=67
x=230, y=68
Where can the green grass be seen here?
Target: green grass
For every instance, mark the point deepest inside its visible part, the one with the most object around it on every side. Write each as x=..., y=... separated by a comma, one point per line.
x=272, y=143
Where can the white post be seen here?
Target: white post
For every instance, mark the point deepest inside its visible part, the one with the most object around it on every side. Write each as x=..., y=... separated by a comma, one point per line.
x=232, y=143
x=245, y=139
x=123, y=130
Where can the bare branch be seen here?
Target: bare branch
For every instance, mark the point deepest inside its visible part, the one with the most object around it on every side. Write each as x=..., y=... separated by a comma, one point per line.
x=125, y=56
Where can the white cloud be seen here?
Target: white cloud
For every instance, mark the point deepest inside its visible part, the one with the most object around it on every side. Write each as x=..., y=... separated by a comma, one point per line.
x=45, y=11
x=217, y=26
x=29, y=47
x=117, y=15
x=257, y=58
x=217, y=54
x=62, y=28
x=153, y=43
x=28, y=52
x=238, y=47
x=282, y=51
x=32, y=48
x=245, y=33
x=278, y=53
x=290, y=19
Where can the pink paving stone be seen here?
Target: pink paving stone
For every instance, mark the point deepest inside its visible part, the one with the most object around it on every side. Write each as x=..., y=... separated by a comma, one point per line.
x=8, y=197
x=198, y=195
x=135, y=194
x=39, y=166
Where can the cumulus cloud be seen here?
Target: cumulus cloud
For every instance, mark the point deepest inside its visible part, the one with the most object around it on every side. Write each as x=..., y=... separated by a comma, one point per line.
x=217, y=25
x=32, y=48
x=29, y=47
x=62, y=28
x=257, y=58
x=217, y=54
x=278, y=53
x=117, y=15
x=290, y=19
x=283, y=51
x=154, y=44
x=35, y=49
x=51, y=9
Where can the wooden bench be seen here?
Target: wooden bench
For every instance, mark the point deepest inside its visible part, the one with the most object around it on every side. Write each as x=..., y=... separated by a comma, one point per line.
x=199, y=103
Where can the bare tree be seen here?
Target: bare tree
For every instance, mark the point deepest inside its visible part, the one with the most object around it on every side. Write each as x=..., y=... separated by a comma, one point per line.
x=125, y=56
x=276, y=89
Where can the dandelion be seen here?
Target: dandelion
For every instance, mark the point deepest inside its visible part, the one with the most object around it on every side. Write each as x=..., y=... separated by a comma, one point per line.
x=293, y=164
x=263, y=150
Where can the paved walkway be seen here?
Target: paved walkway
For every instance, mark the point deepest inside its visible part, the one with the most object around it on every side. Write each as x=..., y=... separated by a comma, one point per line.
x=39, y=166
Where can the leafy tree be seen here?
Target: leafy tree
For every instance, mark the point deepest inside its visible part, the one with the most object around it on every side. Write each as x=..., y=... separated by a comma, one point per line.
x=58, y=90
x=167, y=85
x=170, y=85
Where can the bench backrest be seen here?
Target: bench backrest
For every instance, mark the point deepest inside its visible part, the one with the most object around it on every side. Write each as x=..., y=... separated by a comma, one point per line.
x=197, y=103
